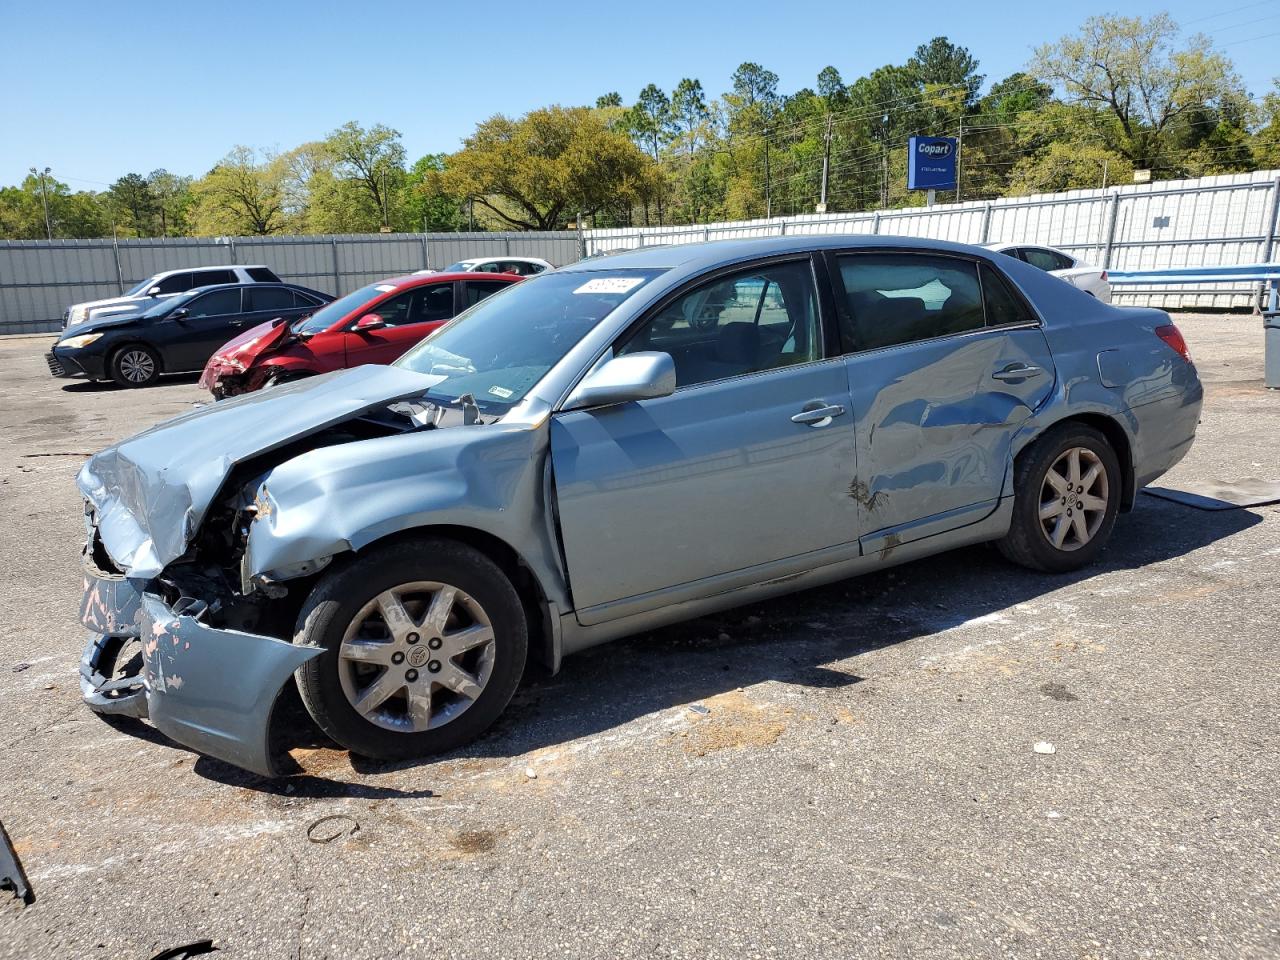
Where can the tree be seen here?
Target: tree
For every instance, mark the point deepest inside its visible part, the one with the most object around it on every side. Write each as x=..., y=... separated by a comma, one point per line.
x=611, y=99
x=241, y=196
x=429, y=206
x=689, y=112
x=753, y=84
x=171, y=195
x=940, y=63
x=373, y=158
x=651, y=122
x=831, y=87
x=1068, y=166
x=540, y=171
x=1138, y=73
x=136, y=204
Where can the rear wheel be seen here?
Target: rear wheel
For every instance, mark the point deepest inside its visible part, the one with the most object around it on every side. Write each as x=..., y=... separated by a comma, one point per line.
x=135, y=365
x=425, y=642
x=1067, y=495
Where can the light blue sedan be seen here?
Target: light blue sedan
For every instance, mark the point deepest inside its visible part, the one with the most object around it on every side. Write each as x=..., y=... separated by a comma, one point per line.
x=601, y=450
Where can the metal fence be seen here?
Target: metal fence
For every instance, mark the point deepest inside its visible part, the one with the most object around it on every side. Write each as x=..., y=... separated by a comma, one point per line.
x=39, y=278
x=1211, y=221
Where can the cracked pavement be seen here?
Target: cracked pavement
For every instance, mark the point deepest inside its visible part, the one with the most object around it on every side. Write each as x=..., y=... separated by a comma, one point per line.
x=846, y=772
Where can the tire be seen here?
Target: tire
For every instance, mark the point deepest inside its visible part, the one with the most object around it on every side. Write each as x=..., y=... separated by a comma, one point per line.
x=1052, y=542
x=464, y=694
x=135, y=365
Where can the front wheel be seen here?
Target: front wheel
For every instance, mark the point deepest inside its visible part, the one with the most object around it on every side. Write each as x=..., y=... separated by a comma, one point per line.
x=135, y=365
x=424, y=644
x=1066, y=497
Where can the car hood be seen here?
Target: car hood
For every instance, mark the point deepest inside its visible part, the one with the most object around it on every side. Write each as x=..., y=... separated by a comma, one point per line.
x=253, y=343
x=149, y=494
x=103, y=323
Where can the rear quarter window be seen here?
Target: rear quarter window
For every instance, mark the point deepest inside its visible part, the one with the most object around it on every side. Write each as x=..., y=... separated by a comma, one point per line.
x=262, y=275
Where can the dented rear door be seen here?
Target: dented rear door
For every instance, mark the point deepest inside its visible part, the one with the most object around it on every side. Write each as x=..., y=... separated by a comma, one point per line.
x=936, y=415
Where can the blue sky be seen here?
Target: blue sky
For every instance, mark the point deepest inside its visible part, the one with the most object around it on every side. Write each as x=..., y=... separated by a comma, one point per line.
x=96, y=90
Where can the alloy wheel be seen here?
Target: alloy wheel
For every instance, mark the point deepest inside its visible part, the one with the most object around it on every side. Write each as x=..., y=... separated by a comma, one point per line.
x=1074, y=498
x=416, y=657
x=136, y=366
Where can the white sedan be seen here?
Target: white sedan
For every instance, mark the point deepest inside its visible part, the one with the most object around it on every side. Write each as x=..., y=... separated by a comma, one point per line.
x=1092, y=280
x=521, y=266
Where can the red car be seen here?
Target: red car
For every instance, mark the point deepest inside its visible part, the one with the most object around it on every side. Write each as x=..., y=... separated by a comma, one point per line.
x=374, y=324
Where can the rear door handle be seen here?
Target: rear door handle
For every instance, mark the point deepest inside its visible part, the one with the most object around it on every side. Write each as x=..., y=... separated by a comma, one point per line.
x=1017, y=371
x=818, y=414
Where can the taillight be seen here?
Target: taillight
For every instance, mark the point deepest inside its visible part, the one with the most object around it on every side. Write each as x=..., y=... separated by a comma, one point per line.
x=1173, y=337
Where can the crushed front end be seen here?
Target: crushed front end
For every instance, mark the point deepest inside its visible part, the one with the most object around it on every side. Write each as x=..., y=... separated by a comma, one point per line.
x=179, y=633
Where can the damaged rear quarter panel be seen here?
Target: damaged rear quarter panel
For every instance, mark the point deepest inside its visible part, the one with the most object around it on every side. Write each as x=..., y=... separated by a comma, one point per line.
x=345, y=497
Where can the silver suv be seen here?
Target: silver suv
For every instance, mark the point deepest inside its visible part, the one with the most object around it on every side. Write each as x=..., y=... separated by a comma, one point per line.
x=166, y=284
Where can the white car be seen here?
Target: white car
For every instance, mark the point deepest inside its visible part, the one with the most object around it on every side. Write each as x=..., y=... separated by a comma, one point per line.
x=167, y=284
x=521, y=266
x=1092, y=280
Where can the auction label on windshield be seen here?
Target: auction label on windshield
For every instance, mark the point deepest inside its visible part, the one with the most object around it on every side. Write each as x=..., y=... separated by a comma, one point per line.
x=610, y=285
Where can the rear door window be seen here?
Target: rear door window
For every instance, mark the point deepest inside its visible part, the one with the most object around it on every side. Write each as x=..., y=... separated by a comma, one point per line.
x=434, y=303
x=176, y=283
x=268, y=298
x=207, y=278
x=473, y=291
x=1047, y=260
x=1002, y=305
x=894, y=298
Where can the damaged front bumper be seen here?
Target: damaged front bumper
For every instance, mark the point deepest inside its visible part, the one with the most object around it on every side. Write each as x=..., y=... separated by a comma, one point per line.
x=208, y=689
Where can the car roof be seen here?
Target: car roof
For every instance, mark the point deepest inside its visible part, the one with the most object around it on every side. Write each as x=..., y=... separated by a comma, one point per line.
x=520, y=257
x=703, y=255
x=418, y=279
x=213, y=266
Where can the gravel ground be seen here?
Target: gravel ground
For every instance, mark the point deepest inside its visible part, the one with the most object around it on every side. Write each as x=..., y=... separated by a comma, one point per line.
x=863, y=782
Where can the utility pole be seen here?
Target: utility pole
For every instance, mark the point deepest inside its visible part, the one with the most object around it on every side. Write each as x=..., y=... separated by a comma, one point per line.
x=826, y=166
x=884, y=179
x=768, y=194
x=959, y=160
x=1105, y=160
x=44, y=196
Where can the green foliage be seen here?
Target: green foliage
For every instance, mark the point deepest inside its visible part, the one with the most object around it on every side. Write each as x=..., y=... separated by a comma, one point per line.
x=242, y=196
x=542, y=170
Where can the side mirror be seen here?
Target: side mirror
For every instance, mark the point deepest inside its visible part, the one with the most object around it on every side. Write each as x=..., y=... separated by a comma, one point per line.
x=633, y=376
x=370, y=321
x=180, y=314
x=153, y=292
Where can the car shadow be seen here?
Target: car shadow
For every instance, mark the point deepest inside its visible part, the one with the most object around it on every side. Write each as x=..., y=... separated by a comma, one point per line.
x=792, y=639
x=108, y=386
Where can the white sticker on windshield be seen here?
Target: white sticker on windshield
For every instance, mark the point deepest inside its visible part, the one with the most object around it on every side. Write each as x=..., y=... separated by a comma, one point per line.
x=502, y=392
x=610, y=285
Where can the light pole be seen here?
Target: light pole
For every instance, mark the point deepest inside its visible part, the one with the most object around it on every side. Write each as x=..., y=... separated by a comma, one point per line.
x=44, y=196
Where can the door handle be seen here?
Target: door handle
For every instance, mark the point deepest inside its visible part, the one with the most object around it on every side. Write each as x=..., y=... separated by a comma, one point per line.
x=1017, y=371
x=818, y=413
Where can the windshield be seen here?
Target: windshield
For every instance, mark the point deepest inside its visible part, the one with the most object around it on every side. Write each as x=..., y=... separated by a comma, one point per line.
x=501, y=347
x=462, y=266
x=331, y=313
x=140, y=288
